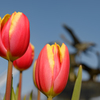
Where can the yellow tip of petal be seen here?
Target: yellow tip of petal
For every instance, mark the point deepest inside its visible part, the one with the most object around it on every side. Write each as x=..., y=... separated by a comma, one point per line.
x=32, y=46
x=5, y=19
x=62, y=52
x=32, y=50
x=0, y=23
x=34, y=66
x=50, y=55
x=15, y=18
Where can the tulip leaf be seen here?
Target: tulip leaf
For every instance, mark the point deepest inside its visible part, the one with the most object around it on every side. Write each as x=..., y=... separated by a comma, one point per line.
x=24, y=97
x=77, y=87
x=30, y=98
x=4, y=97
x=17, y=91
x=13, y=97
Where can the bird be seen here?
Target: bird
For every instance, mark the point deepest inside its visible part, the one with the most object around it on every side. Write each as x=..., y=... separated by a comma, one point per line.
x=80, y=46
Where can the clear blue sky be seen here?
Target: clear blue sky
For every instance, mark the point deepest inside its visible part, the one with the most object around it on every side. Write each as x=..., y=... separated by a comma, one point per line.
x=46, y=19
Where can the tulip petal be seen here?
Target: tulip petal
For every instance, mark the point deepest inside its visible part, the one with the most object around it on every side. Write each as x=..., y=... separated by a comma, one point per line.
x=3, y=47
x=36, y=74
x=25, y=61
x=64, y=71
x=34, y=67
x=4, y=20
x=43, y=71
x=5, y=33
x=56, y=61
x=3, y=50
x=19, y=34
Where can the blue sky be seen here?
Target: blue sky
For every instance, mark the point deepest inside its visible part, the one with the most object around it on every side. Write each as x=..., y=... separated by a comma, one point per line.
x=46, y=20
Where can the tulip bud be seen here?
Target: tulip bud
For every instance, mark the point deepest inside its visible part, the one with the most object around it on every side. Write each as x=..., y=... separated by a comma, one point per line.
x=25, y=61
x=51, y=69
x=14, y=35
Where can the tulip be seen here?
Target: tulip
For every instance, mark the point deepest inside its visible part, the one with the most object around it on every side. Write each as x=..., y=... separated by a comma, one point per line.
x=14, y=36
x=24, y=63
x=14, y=40
x=51, y=69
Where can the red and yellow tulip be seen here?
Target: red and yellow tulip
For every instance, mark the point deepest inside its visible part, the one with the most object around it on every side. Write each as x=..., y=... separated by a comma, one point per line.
x=25, y=61
x=14, y=35
x=51, y=69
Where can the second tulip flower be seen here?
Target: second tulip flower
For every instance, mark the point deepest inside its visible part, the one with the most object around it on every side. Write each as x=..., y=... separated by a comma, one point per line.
x=25, y=61
x=51, y=69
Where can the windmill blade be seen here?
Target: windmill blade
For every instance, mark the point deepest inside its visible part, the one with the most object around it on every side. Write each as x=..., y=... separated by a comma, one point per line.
x=75, y=39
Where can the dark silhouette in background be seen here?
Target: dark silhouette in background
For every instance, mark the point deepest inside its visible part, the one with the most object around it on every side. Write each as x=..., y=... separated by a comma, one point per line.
x=91, y=87
x=80, y=46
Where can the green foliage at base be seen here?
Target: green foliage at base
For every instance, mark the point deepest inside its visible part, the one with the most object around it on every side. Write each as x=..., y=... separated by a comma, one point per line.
x=75, y=95
x=77, y=87
x=14, y=96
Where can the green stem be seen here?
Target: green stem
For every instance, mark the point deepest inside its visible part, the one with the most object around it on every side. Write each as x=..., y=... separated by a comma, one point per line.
x=49, y=98
x=20, y=86
x=38, y=98
x=9, y=81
